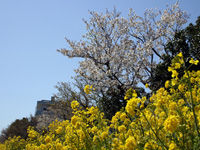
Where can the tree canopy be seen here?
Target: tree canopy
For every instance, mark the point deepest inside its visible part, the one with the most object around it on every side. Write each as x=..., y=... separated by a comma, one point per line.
x=119, y=52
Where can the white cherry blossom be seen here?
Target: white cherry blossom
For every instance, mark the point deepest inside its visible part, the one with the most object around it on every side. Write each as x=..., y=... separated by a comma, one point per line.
x=120, y=52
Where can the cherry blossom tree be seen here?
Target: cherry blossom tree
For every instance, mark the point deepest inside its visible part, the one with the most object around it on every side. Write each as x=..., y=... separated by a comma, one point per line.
x=119, y=52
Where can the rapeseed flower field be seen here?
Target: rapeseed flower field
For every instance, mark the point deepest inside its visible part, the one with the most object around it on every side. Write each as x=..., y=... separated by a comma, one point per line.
x=170, y=121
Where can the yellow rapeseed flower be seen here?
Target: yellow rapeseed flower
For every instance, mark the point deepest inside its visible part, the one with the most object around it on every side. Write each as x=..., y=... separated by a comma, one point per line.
x=32, y=134
x=122, y=128
x=177, y=65
x=170, y=69
x=123, y=116
x=181, y=102
x=103, y=135
x=192, y=79
x=74, y=104
x=74, y=120
x=43, y=147
x=88, y=89
x=194, y=62
x=59, y=130
x=142, y=106
x=172, y=106
x=134, y=95
x=171, y=123
x=167, y=84
x=174, y=82
x=48, y=139
x=94, y=129
x=181, y=87
x=131, y=106
x=180, y=55
x=130, y=143
x=58, y=146
x=174, y=73
x=172, y=146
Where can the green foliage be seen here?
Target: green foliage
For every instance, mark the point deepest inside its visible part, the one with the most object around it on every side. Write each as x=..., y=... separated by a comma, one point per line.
x=111, y=103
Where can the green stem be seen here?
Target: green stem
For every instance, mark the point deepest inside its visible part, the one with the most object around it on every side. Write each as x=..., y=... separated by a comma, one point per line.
x=154, y=131
x=142, y=128
x=191, y=97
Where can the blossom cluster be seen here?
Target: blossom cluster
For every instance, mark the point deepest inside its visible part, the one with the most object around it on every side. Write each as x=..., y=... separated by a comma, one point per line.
x=170, y=121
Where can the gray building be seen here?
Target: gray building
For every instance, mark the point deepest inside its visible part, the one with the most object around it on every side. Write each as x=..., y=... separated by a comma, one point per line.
x=42, y=106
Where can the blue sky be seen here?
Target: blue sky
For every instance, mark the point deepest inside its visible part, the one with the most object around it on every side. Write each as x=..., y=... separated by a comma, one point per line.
x=30, y=33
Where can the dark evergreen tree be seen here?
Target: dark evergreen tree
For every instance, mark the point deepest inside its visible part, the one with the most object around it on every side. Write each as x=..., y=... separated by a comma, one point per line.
x=18, y=128
x=186, y=41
